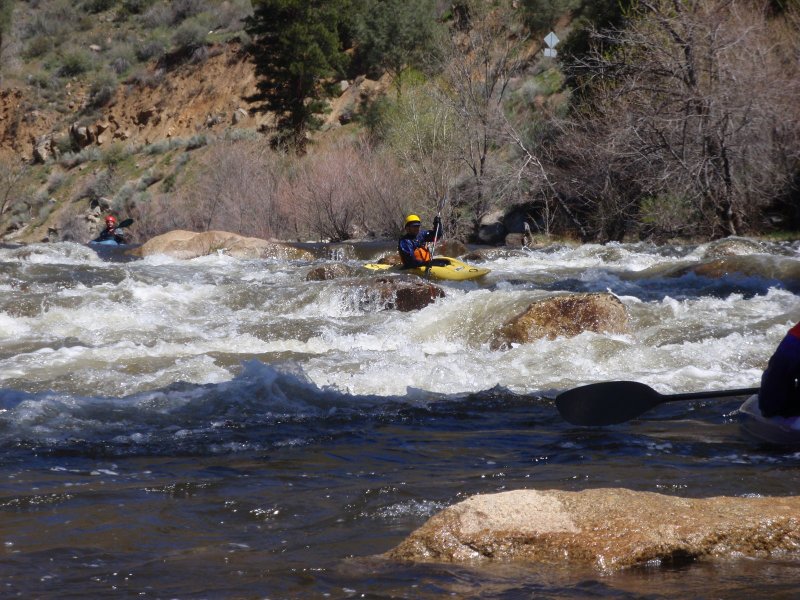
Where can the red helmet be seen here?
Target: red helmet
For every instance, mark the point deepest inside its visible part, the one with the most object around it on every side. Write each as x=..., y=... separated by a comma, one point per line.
x=111, y=220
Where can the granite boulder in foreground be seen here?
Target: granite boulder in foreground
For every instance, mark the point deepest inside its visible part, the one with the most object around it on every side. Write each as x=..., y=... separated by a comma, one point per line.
x=608, y=528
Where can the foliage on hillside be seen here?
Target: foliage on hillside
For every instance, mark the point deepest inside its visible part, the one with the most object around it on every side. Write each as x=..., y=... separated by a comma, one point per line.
x=660, y=119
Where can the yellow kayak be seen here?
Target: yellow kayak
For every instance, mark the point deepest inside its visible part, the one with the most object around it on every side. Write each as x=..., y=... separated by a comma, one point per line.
x=443, y=267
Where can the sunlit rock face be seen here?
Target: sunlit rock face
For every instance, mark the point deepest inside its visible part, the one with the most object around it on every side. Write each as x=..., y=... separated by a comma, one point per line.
x=189, y=244
x=607, y=528
x=564, y=316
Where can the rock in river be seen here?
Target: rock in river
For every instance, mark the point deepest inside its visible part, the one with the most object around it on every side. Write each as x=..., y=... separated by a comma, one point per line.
x=608, y=528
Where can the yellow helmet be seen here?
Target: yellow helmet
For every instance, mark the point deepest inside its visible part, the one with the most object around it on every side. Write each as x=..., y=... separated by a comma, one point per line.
x=412, y=219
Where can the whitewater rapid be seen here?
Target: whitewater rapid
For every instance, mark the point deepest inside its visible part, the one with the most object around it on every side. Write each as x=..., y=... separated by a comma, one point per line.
x=79, y=331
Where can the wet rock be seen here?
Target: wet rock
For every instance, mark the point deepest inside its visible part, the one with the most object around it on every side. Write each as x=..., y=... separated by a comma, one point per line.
x=564, y=316
x=773, y=267
x=452, y=248
x=189, y=244
x=331, y=271
x=390, y=259
x=486, y=254
x=607, y=528
x=491, y=229
x=732, y=246
x=404, y=293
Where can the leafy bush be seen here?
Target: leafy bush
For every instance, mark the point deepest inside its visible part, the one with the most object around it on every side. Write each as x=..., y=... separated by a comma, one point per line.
x=38, y=46
x=197, y=141
x=55, y=181
x=184, y=9
x=136, y=7
x=151, y=49
x=102, y=89
x=190, y=34
x=75, y=63
x=99, y=186
x=98, y=6
x=71, y=160
x=115, y=154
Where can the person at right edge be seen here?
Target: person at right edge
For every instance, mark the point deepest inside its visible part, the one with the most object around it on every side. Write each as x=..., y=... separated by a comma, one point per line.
x=779, y=395
x=413, y=245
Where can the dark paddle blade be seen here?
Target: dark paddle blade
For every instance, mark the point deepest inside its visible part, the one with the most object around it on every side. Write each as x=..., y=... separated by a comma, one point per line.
x=125, y=223
x=612, y=402
x=606, y=403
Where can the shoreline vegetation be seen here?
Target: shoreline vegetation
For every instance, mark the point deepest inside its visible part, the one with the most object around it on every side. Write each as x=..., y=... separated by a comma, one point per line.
x=657, y=120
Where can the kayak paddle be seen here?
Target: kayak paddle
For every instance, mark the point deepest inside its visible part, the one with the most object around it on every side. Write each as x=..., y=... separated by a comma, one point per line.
x=612, y=402
x=125, y=223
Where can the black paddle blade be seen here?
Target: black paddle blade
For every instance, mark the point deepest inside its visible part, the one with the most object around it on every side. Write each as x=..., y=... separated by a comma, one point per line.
x=606, y=403
x=125, y=223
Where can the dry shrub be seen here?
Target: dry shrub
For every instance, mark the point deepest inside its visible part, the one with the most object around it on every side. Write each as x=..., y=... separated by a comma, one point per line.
x=348, y=190
x=696, y=105
x=337, y=192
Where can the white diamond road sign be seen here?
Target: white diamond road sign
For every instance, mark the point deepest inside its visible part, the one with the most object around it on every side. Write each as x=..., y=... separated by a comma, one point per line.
x=551, y=40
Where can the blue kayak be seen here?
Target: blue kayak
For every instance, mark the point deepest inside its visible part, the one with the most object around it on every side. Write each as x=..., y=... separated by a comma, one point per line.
x=781, y=431
x=108, y=242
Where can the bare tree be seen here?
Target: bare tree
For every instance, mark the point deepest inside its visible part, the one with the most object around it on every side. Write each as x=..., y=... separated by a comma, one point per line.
x=423, y=133
x=689, y=102
x=479, y=62
x=236, y=190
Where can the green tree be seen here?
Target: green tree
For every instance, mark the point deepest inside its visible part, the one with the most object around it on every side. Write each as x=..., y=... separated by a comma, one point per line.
x=394, y=35
x=297, y=45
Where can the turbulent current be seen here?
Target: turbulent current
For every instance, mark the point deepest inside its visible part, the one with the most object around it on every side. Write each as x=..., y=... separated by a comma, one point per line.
x=225, y=428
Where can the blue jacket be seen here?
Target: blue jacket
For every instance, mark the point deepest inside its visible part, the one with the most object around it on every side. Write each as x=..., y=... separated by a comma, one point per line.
x=409, y=243
x=779, y=394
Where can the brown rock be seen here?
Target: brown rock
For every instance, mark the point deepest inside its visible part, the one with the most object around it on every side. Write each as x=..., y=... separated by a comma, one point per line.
x=404, y=293
x=330, y=271
x=451, y=248
x=607, y=528
x=564, y=316
x=189, y=244
x=784, y=268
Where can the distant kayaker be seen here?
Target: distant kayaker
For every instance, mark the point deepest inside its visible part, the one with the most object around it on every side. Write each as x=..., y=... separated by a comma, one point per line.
x=111, y=232
x=413, y=245
x=779, y=394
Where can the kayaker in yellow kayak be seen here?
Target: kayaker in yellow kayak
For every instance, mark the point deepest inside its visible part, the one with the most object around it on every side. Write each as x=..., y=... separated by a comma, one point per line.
x=413, y=245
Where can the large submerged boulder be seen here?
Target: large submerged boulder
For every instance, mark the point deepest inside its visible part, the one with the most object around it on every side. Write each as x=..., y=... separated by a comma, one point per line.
x=565, y=316
x=330, y=271
x=403, y=293
x=189, y=244
x=607, y=528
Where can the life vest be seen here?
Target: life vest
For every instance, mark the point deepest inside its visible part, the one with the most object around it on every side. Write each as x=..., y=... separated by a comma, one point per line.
x=422, y=254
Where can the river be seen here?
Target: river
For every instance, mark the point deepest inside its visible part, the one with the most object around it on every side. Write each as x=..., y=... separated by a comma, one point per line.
x=224, y=428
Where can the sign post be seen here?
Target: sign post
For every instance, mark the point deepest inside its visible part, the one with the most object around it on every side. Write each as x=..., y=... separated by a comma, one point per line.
x=551, y=39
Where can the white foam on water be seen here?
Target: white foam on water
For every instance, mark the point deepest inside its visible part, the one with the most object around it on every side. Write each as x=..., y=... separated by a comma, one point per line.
x=170, y=321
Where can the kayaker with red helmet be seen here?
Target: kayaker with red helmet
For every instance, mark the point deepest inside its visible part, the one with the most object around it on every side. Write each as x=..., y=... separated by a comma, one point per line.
x=413, y=245
x=111, y=232
x=780, y=384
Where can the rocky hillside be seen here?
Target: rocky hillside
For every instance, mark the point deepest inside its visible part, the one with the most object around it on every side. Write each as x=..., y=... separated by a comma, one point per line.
x=182, y=101
x=54, y=143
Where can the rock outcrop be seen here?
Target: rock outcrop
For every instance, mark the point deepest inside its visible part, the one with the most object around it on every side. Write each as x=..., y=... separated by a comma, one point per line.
x=189, y=244
x=564, y=316
x=607, y=528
